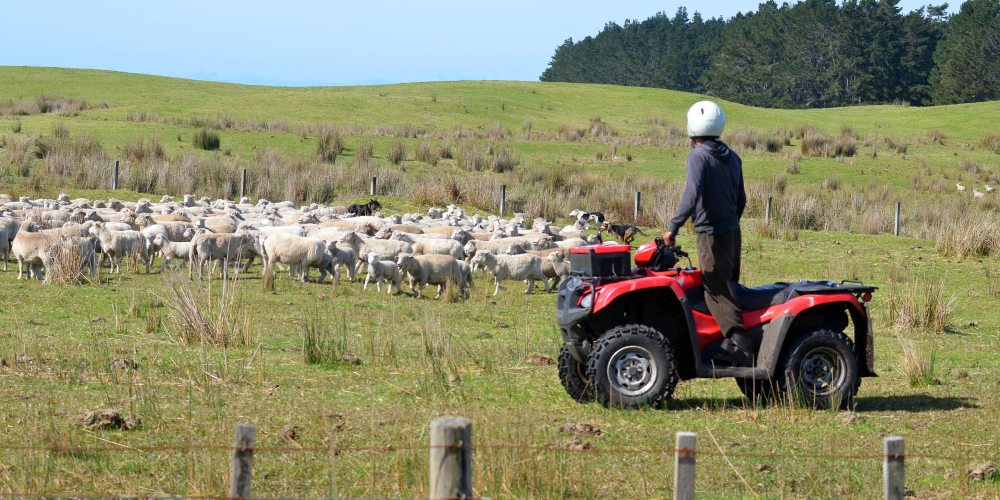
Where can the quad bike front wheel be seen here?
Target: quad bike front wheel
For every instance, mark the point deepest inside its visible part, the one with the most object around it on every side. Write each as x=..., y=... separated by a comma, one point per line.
x=632, y=366
x=573, y=376
x=819, y=369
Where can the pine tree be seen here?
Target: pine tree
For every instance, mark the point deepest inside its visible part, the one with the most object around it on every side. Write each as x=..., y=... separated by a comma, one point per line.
x=966, y=65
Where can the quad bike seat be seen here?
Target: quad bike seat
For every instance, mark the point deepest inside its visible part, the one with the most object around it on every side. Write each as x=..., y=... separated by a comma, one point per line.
x=760, y=297
x=749, y=298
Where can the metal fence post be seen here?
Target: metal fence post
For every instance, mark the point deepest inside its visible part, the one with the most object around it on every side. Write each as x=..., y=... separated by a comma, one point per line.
x=684, y=462
x=374, y=185
x=767, y=212
x=243, y=184
x=892, y=468
x=242, y=471
x=114, y=178
x=503, y=198
x=451, y=458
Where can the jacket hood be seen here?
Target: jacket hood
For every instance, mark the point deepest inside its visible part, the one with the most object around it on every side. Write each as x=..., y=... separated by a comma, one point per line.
x=716, y=148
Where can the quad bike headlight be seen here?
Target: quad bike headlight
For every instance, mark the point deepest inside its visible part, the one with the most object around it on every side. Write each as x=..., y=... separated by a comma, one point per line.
x=587, y=301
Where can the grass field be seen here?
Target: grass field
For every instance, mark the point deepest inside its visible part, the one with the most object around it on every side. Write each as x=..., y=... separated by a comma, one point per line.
x=405, y=361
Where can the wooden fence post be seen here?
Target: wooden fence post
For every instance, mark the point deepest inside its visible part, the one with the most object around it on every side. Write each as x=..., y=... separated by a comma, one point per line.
x=767, y=212
x=450, y=458
x=892, y=468
x=895, y=224
x=243, y=184
x=637, y=207
x=114, y=178
x=374, y=185
x=684, y=462
x=242, y=471
x=503, y=198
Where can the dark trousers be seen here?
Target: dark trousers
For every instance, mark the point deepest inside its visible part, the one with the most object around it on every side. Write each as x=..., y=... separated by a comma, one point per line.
x=719, y=257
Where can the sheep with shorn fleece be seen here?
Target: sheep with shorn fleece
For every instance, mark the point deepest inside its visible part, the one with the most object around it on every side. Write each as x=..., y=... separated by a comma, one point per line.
x=423, y=270
x=116, y=245
x=525, y=267
x=552, y=260
x=383, y=270
x=299, y=252
x=170, y=250
x=223, y=247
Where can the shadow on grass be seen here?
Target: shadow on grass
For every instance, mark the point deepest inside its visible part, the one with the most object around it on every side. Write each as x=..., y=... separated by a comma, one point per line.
x=912, y=403
x=706, y=403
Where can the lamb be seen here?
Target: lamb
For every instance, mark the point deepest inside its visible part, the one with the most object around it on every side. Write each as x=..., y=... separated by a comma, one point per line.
x=225, y=247
x=960, y=187
x=432, y=246
x=342, y=257
x=170, y=250
x=465, y=270
x=557, y=267
x=298, y=251
x=118, y=244
x=423, y=270
x=989, y=188
x=977, y=193
x=526, y=267
x=383, y=270
x=171, y=231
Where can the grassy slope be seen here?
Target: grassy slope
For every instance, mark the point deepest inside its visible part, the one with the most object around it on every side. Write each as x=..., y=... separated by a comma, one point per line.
x=191, y=394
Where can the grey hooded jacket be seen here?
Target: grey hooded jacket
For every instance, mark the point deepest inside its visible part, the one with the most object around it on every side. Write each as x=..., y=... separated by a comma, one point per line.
x=714, y=196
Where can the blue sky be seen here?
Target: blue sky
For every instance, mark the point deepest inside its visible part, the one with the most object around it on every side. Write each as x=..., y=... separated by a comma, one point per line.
x=315, y=42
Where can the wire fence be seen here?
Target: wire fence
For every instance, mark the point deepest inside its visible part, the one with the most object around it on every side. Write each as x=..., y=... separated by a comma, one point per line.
x=451, y=452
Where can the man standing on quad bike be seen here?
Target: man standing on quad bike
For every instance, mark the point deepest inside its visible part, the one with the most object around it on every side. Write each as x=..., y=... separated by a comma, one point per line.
x=714, y=199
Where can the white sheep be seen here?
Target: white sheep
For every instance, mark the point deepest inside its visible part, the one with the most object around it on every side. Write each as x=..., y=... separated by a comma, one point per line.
x=465, y=271
x=32, y=249
x=431, y=246
x=386, y=249
x=960, y=187
x=383, y=270
x=170, y=250
x=977, y=193
x=989, y=188
x=224, y=247
x=293, y=250
x=118, y=244
x=557, y=268
x=526, y=267
x=423, y=270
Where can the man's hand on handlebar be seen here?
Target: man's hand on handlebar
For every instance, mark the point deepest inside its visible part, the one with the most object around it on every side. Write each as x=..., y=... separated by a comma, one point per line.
x=668, y=238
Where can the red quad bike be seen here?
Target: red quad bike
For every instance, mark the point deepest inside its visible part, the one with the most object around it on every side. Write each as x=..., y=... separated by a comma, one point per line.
x=629, y=335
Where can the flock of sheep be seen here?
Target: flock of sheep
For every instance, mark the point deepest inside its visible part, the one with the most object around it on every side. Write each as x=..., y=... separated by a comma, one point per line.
x=442, y=247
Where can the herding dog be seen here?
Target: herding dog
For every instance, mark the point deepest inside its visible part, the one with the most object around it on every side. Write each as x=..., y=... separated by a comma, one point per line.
x=626, y=232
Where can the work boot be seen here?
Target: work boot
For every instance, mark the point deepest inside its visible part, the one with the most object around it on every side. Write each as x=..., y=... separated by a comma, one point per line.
x=740, y=346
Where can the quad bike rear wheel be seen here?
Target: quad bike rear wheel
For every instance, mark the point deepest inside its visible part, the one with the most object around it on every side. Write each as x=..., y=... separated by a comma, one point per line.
x=820, y=369
x=632, y=366
x=573, y=376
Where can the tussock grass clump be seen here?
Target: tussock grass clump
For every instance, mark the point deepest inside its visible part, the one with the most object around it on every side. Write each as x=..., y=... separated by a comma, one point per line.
x=425, y=153
x=503, y=160
x=59, y=131
x=329, y=145
x=444, y=151
x=969, y=234
x=321, y=347
x=746, y=138
x=142, y=150
x=206, y=139
x=992, y=143
x=15, y=126
x=201, y=319
x=900, y=146
x=831, y=183
x=935, y=136
x=363, y=155
x=570, y=133
x=918, y=367
x=814, y=143
x=920, y=306
x=471, y=157
x=65, y=106
x=397, y=152
x=600, y=130
x=969, y=165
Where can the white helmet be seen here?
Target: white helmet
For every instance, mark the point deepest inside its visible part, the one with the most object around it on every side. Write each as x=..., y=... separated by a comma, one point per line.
x=706, y=119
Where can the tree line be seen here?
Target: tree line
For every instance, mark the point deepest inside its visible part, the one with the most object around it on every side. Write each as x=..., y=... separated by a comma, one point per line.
x=814, y=53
